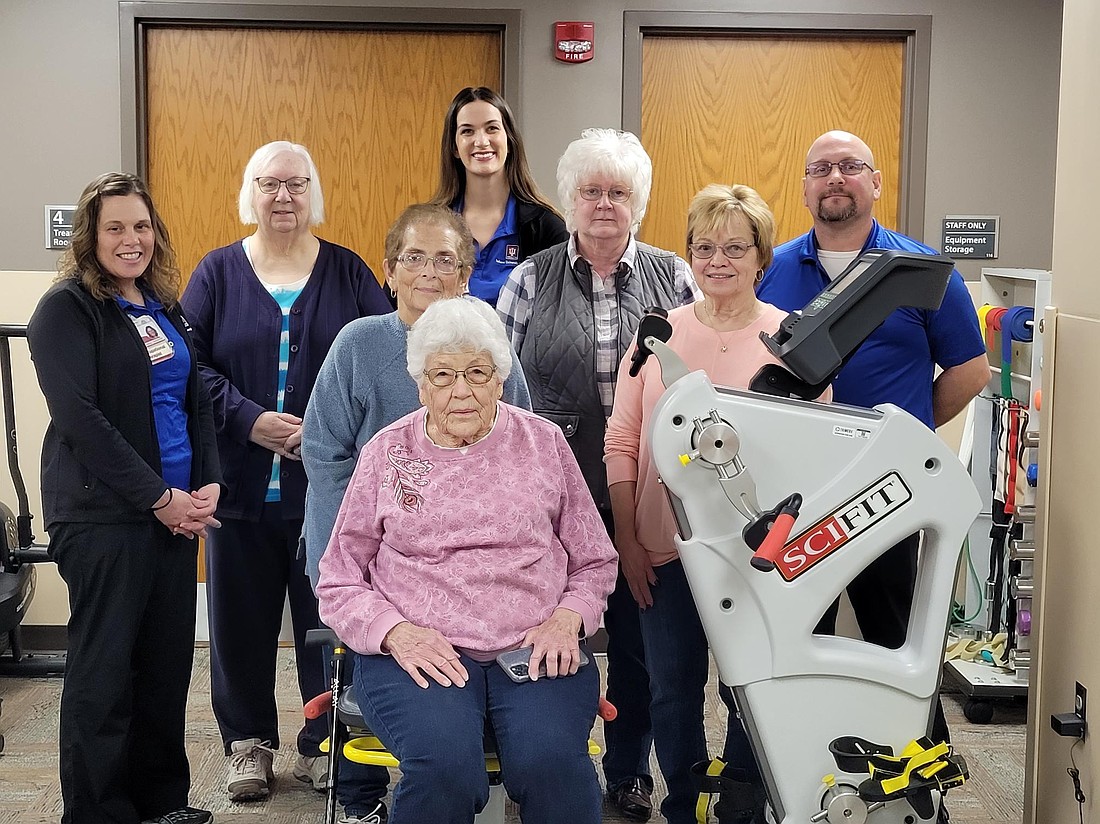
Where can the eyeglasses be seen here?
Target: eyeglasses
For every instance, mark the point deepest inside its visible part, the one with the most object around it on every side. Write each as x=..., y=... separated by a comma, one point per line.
x=733, y=251
x=616, y=194
x=848, y=168
x=416, y=261
x=294, y=185
x=474, y=375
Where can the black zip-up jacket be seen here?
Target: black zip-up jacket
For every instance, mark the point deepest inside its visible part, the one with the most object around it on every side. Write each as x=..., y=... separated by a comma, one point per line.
x=101, y=456
x=539, y=229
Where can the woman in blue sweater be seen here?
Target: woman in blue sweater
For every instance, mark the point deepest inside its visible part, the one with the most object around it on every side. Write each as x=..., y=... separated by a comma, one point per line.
x=265, y=311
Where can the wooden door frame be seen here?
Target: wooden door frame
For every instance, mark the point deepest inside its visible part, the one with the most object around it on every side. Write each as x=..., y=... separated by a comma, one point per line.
x=916, y=30
x=137, y=18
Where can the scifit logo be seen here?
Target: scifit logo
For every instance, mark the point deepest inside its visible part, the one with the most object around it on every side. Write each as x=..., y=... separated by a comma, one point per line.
x=882, y=498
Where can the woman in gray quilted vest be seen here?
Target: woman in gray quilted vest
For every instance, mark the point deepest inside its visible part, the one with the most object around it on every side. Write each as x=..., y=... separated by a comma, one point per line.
x=571, y=312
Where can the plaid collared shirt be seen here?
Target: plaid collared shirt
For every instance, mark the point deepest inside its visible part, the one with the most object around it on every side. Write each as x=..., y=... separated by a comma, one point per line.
x=516, y=299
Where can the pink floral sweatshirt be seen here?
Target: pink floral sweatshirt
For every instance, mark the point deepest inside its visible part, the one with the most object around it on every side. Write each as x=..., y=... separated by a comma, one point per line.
x=480, y=543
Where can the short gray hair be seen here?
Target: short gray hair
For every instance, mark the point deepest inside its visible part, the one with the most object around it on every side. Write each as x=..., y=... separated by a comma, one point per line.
x=610, y=153
x=458, y=325
x=259, y=160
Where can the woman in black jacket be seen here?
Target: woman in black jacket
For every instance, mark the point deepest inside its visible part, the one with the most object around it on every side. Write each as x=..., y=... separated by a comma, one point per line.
x=130, y=479
x=483, y=175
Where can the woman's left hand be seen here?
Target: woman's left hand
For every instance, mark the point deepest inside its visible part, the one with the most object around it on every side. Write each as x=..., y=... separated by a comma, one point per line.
x=557, y=641
x=204, y=502
x=293, y=447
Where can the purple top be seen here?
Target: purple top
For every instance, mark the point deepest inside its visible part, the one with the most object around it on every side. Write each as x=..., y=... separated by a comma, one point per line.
x=447, y=539
x=237, y=326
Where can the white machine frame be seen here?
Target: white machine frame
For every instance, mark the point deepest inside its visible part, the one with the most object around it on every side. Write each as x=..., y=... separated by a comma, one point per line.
x=869, y=478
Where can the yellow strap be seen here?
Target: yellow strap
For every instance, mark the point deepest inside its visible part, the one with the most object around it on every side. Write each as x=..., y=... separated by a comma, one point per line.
x=983, y=310
x=923, y=759
x=702, y=804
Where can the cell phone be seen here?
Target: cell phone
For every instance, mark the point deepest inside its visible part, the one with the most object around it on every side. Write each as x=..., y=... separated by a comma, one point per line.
x=515, y=663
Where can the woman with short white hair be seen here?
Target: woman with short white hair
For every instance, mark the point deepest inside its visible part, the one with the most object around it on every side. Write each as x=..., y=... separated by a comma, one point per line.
x=440, y=561
x=571, y=312
x=265, y=310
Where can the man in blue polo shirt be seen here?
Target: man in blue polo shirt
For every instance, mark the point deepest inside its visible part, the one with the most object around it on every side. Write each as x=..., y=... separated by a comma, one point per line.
x=897, y=362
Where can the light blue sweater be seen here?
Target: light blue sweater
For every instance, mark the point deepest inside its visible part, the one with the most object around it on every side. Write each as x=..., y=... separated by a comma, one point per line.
x=363, y=386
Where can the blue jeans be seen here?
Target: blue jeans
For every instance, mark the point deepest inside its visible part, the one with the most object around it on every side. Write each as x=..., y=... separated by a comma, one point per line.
x=678, y=660
x=541, y=730
x=360, y=786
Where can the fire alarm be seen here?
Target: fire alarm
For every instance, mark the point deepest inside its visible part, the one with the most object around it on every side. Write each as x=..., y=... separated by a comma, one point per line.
x=574, y=42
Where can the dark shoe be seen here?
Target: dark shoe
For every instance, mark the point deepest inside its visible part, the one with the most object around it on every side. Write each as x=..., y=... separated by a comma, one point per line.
x=633, y=799
x=184, y=815
x=378, y=815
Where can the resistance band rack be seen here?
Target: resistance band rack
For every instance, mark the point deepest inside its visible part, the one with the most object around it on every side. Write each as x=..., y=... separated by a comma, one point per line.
x=1005, y=575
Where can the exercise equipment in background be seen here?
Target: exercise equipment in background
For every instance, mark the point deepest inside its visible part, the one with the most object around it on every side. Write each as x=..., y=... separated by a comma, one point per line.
x=998, y=603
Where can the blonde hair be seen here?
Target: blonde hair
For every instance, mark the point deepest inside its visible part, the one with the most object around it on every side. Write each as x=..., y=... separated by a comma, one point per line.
x=715, y=205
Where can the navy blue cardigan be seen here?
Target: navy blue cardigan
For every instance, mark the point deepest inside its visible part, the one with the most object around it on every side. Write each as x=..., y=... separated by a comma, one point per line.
x=237, y=325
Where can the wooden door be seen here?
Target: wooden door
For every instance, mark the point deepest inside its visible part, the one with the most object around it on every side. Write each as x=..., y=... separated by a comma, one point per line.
x=368, y=105
x=739, y=108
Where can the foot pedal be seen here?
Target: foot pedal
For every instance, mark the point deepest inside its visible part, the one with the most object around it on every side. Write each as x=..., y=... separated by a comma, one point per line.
x=921, y=768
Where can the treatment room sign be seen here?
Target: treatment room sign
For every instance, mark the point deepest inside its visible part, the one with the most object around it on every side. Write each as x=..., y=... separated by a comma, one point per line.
x=59, y=226
x=970, y=236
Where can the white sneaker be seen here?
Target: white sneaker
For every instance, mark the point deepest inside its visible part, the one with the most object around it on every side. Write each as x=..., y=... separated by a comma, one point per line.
x=312, y=770
x=376, y=816
x=250, y=770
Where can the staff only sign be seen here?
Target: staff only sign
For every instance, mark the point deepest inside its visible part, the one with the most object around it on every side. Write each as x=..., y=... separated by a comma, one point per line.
x=973, y=236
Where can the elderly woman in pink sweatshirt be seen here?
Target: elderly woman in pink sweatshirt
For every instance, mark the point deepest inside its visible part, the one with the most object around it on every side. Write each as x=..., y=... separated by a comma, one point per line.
x=468, y=530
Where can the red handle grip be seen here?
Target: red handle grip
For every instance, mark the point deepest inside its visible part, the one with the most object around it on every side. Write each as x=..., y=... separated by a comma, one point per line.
x=318, y=705
x=764, y=558
x=606, y=710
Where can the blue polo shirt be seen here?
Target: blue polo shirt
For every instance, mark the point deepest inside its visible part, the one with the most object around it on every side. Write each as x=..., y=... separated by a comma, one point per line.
x=170, y=364
x=494, y=262
x=896, y=364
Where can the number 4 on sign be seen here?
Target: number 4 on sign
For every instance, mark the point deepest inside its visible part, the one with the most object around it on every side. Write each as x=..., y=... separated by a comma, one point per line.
x=57, y=217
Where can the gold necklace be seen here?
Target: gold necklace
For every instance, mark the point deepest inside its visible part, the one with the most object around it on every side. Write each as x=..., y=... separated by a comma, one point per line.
x=723, y=343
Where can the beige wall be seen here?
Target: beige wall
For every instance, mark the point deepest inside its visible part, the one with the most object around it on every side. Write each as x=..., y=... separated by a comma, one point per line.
x=1069, y=568
x=993, y=86
x=19, y=294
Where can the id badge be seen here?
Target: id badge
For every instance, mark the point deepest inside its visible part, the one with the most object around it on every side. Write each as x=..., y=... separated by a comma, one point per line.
x=156, y=342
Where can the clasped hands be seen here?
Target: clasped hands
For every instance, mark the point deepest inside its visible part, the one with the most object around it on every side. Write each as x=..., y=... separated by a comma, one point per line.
x=189, y=513
x=425, y=652
x=280, y=432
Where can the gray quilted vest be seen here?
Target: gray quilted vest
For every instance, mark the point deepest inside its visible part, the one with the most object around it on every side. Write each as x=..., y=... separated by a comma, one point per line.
x=558, y=354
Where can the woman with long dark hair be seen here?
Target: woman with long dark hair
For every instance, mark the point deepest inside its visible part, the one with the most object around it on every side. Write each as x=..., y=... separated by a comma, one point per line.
x=484, y=176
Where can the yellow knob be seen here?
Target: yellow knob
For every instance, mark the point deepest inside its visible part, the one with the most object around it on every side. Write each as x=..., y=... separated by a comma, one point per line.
x=829, y=780
x=685, y=459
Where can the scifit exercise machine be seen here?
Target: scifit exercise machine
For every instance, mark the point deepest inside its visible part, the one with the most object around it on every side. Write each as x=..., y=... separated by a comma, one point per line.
x=780, y=502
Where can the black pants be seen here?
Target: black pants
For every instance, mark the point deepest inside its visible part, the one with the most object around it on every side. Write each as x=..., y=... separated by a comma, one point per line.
x=131, y=645
x=629, y=738
x=251, y=568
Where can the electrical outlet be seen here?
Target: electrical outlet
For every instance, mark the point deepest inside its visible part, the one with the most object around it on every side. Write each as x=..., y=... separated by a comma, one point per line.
x=1079, y=702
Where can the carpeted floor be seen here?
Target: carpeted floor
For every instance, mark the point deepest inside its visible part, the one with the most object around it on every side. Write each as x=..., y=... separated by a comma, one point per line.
x=29, y=792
